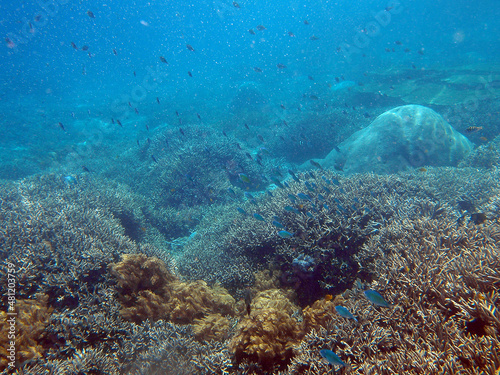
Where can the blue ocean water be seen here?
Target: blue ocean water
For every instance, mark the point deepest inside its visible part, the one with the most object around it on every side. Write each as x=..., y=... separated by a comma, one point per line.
x=46, y=81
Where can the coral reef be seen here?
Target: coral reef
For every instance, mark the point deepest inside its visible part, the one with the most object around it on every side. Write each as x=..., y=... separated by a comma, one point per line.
x=148, y=290
x=32, y=317
x=269, y=335
x=330, y=228
x=144, y=287
x=405, y=137
x=211, y=327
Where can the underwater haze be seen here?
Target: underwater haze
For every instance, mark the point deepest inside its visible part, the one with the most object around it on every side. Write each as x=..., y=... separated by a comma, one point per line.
x=250, y=187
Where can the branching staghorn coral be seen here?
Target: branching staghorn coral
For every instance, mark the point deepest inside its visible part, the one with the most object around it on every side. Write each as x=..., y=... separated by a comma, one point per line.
x=231, y=246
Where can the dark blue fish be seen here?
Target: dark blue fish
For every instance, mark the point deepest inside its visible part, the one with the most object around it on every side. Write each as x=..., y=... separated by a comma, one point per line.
x=285, y=234
x=326, y=207
x=277, y=224
x=258, y=217
x=326, y=190
x=320, y=197
x=376, y=298
x=269, y=193
x=309, y=186
x=310, y=215
x=286, y=184
x=241, y=210
x=277, y=182
x=343, y=312
x=231, y=192
x=304, y=196
x=335, y=182
x=293, y=175
x=292, y=209
x=254, y=202
x=292, y=197
x=315, y=164
x=248, y=195
x=331, y=357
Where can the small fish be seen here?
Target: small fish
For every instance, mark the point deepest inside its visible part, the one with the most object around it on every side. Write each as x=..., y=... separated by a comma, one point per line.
x=136, y=110
x=261, y=138
x=85, y=169
x=241, y=210
x=85, y=48
x=292, y=198
x=244, y=178
x=306, y=22
x=285, y=234
x=236, y=5
x=61, y=126
x=248, y=195
x=291, y=209
x=314, y=97
x=277, y=224
x=119, y=123
x=190, y=74
x=304, y=196
x=260, y=27
x=182, y=131
x=158, y=100
x=281, y=66
x=478, y=218
x=376, y=298
x=114, y=51
x=343, y=312
x=231, y=192
x=163, y=60
x=314, y=37
x=190, y=47
x=74, y=46
x=473, y=129
x=295, y=178
x=154, y=159
x=422, y=169
x=277, y=182
x=258, y=70
x=258, y=217
x=224, y=133
x=90, y=14
x=315, y=164
x=135, y=74
x=248, y=300
x=331, y=357
x=310, y=78
x=251, y=31
x=291, y=34
x=398, y=42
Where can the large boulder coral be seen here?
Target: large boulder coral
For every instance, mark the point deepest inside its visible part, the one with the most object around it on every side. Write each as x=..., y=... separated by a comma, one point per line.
x=405, y=137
